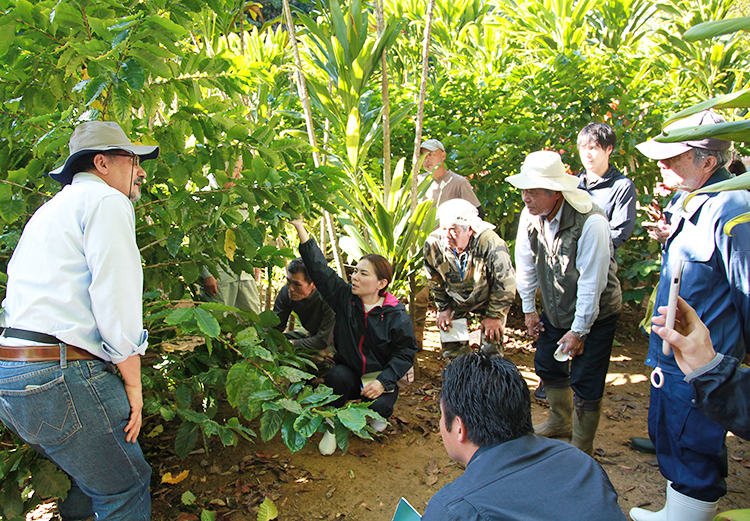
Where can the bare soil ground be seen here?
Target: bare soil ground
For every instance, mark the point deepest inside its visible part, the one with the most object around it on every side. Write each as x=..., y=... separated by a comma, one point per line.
x=366, y=483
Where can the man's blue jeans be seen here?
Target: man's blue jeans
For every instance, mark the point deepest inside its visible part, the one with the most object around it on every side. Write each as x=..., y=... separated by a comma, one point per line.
x=74, y=413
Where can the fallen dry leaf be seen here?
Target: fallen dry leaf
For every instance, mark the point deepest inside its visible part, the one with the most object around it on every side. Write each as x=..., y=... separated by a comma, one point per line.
x=431, y=480
x=182, y=476
x=432, y=467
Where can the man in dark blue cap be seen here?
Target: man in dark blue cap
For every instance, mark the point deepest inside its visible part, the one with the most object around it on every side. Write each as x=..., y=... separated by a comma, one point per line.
x=72, y=312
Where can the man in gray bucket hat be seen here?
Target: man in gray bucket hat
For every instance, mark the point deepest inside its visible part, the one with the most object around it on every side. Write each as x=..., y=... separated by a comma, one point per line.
x=715, y=281
x=72, y=313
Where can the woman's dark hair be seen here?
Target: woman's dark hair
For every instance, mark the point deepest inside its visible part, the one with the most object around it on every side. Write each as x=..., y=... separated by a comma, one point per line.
x=490, y=396
x=383, y=269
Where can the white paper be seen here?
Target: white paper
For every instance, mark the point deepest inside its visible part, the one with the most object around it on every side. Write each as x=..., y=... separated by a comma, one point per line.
x=459, y=331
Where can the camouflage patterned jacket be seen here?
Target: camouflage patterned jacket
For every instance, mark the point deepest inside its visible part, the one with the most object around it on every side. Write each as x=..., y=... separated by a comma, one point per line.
x=488, y=286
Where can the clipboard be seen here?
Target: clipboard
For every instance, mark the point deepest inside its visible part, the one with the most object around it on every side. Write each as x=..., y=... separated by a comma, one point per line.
x=406, y=512
x=459, y=331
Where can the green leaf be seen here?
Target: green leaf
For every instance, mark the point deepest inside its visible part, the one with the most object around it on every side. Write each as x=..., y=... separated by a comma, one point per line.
x=207, y=323
x=207, y=515
x=353, y=419
x=715, y=28
x=268, y=318
x=267, y=511
x=256, y=352
x=734, y=515
x=352, y=137
x=227, y=436
x=168, y=24
x=739, y=99
x=270, y=423
x=292, y=439
x=7, y=34
x=95, y=87
x=49, y=481
x=11, y=500
x=121, y=37
x=183, y=396
x=307, y=423
x=733, y=131
x=179, y=315
x=290, y=405
x=188, y=498
x=186, y=438
x=293, y=375
x=132, y=73
x=10, y=208
x=321, y=396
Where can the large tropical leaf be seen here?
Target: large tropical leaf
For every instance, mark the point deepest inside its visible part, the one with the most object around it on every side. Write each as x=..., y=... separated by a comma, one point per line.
x=732, y=131
x=732, y=100
x=706, y=30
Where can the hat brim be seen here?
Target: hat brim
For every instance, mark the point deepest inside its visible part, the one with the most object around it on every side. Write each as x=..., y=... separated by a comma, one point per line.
x=64, y=174
x=658, y=151
x=558, y=184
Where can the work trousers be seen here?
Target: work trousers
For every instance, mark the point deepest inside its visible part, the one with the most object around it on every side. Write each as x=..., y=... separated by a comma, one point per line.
x=588, y=371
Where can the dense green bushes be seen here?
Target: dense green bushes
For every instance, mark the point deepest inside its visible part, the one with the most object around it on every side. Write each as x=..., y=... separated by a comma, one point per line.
x=505, y=78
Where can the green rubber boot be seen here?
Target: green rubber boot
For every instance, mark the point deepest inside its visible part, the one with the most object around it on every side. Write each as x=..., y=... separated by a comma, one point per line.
x=559, y=421
x=585, y=423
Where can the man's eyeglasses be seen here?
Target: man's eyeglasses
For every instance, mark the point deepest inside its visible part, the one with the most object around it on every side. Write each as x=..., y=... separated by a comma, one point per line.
x=136, y=158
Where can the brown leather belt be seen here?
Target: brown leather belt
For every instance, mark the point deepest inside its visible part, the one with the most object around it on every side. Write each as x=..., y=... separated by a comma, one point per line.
x=42, y=353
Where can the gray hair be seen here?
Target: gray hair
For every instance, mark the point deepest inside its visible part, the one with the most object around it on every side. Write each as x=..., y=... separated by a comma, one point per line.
x=722, y=156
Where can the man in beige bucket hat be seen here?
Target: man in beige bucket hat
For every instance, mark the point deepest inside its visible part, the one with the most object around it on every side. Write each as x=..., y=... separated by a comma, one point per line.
x=564, y=248
x=72, y=312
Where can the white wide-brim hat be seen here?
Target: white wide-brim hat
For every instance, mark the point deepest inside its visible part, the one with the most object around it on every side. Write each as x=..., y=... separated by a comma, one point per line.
x=658, y=151
x=461, y=211
x=545, y=169
x=98, y=136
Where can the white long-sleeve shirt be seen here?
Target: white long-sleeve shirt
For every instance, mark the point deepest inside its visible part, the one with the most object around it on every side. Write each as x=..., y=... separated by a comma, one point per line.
x=76, y=273
x=592, y=264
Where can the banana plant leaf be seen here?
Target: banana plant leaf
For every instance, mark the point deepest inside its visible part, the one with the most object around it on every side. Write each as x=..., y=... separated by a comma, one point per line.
x=715, y=28
x=741, y=182
x=733, y=100
x=733, y=131
x=734, y=515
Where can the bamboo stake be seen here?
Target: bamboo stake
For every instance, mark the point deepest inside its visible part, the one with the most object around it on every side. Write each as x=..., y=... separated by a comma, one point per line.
x=379, y=8
x=305, y=100
x=418, y=139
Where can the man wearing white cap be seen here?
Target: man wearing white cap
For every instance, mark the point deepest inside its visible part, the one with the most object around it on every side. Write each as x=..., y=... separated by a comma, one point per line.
x=72, y=312
x=446, y=185
x=469, y=270
x=564, y=248
x=715, y=281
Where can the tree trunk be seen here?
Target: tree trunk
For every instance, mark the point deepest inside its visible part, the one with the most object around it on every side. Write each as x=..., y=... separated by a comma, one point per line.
x=305, y=99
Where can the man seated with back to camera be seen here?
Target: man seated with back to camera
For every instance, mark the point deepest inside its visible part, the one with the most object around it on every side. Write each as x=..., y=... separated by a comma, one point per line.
x=511, y=474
